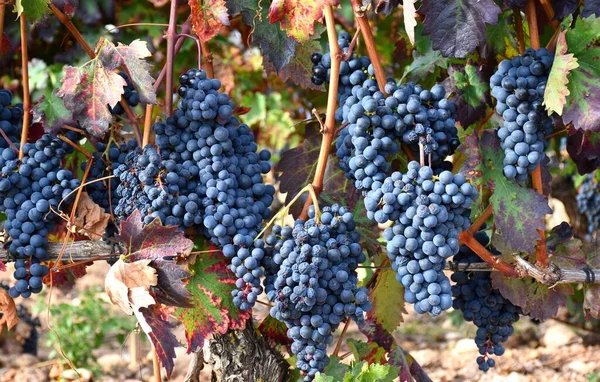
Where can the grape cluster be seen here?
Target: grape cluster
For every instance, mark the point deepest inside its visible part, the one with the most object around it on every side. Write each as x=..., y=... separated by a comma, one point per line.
x=428, y=212
x=518, y=86
x=316, y=285
x=105, y=160
x=132, y=97
x=588, y=203
x=474, y=296
x=31, y=190
x=10, y=119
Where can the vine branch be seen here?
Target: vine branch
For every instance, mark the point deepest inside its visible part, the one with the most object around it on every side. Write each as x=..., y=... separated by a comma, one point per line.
x=25, y=83
x=495, y=262
x=363, y=23
x=519, y=28
x=553, y=275
x=207, y=58
x=171, y=37
x=2, y=12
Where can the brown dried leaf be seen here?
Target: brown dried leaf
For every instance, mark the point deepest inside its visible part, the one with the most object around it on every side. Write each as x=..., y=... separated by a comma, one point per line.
x=208, y=17
x=8, y=310
x=127, y=285
x=90, y=218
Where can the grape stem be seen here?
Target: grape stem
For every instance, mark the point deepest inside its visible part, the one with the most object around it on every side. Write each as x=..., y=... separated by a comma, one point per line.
x=197, y=40
x=495, y=262
x=363, y=23
x=550, y=13
x=2, y=12
x=350, y=51
x=485, y=215
x=25, y=83
x=12, y=145
x=329, y=126
x=171, y=37
x=208, y=59
x=155, y=362
x=519, y=28
x=534, y=33
x=338, y=345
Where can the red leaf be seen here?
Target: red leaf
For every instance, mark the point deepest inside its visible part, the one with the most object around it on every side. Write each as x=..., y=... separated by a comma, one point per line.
x=207, y=18
x=241, y=110
x=213, y=310
x=2, y=266
x=152, y=241
x=171, y=287
x=275, y=331
x=87, y=91
x=159, y=331
x=297, y=17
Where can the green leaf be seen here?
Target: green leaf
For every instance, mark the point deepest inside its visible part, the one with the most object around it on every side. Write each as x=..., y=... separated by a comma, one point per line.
x=557, y=91
x=334, y=371
x=518, y=211
x=470, y=92
x=370, y=352
x=258, y=110
x=299, y=69
x=501, y=36
x=33, y=9
x=387, y=297
x=213, y=311
x=52, y=112
x=582, y=107
x=425, y=61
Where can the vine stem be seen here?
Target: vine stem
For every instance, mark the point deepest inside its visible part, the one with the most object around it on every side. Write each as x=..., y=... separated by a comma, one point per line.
x=550, y=13
x=367, y=34
x=208, y=59
x=534, y=33
x=485, y=215
x=328, y=128
x=495, y=262
x=7, y=139
x=519, y=28
x=156, y=366
x=338, y=345
x=25, y=82
x=2, y=12
x=541, y=250
x=171, y=37
x=197, y=41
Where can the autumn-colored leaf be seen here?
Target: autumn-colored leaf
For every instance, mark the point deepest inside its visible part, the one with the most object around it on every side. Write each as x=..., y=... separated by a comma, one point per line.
x=386, y=290
x=170, y=289
x=52, y=112
x=152, y=241
x=297, y=17
x=154, y=322
x=132, y=58
x=213, y=310
x=87, y=91
x=127, y=285
x=557, y=91
x=2, y=266
x=299, y=69
x=208, y=17
x=90, y=218
x=274, y=330
x=8, y=310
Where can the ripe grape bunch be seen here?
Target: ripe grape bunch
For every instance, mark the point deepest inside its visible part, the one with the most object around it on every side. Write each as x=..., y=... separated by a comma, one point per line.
x=429, y=211
x=588, y=203
x=10, y=119
x=518, y=86
x=475, y=297
x=315, y=288
x=31, y=189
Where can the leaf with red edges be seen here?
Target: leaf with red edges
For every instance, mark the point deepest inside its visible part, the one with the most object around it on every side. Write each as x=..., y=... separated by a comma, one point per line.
x=213, y=311
x=387, y=289
x=297, y=17
x=275, y=331
x=537, y=300
x=370, y=352
x=152, y=241
x=208, y=17
x=87, y=91
x=154, y=322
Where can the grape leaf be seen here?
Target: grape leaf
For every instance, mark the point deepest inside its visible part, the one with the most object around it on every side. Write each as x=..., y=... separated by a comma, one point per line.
x=370, y=352
x=334, y=371
x=86, y=91
x=563, y=8
x=170, y=289
x=591, y=7
x=299, y=69
x=131, y=57
x=33, y=9
x=584, y=150
x=152, y=241
x=127, y=285
x=518, y=211
x=557, y=91
x=276, y=45
x=160, y=332
x=297, y=17
x=583, y=104
x=208, y=17
x=2, y=266
x=457, y=27
x=51, y=110
x=90, y=218
x=500, y=37
x=8, y=310
x=387, y=297
x=537, y=300
x=425, y=61
x=408, y=367
x=470, y=92
x=275, y=331
x=213, y=310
